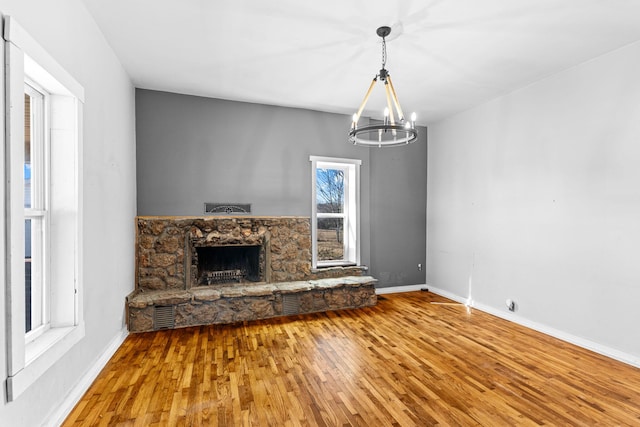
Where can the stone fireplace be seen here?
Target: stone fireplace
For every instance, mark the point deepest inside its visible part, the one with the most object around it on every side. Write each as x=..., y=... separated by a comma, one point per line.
x=203, y=270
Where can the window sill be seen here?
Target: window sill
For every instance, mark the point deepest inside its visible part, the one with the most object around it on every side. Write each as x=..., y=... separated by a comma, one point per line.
x=321, y=269
x=41, y=354
x=323, y=264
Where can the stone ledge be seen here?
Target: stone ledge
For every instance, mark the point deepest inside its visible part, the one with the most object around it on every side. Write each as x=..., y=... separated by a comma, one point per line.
x=162, y=297
x=140, y=299
x=207, y=305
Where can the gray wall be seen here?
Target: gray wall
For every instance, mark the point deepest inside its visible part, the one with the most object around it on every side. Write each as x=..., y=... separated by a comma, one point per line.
x=398, y=213
x=192, y=150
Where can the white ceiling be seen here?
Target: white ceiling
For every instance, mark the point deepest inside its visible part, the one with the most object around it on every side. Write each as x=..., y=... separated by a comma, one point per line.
x=445, y=56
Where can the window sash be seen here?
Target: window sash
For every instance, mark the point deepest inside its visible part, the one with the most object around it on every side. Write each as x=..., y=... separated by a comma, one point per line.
x=38, y=144
x=39, y=319
x=345, y=178
x=37, y=300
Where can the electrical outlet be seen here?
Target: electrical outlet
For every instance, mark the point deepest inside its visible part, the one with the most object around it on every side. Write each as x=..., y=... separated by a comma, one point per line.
x=419, y=266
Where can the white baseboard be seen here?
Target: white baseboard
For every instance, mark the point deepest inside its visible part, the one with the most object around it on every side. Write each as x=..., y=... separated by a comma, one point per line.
x=73, y=397
x=454, y=297
x=512, y=317
x=398, y=289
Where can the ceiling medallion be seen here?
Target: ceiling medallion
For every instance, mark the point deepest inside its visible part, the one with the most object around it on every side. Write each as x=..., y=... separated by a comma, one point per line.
x=391, y=131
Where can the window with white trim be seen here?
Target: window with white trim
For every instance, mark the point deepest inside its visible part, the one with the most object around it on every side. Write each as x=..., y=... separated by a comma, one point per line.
x=335, y=224
x=43, y=208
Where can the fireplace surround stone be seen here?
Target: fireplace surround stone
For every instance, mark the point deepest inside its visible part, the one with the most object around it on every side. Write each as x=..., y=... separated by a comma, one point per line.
x=169, y=291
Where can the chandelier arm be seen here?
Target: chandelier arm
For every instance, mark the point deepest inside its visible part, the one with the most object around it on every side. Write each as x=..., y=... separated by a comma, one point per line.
x=366, y=98
x=395, y=99
x=390, y=108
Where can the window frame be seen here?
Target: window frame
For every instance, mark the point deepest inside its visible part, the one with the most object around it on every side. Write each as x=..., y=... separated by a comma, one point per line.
x=25, y=60
x=350, y=214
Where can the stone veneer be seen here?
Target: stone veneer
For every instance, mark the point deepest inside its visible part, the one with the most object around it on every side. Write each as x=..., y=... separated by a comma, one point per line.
x=165, y=274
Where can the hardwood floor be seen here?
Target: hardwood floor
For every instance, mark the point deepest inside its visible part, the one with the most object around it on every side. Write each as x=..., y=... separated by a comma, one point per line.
x=405, y=362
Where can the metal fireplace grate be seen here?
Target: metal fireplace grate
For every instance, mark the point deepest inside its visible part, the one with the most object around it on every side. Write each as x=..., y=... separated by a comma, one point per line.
x=227, y=208
x=163, y=317
x=224, y=276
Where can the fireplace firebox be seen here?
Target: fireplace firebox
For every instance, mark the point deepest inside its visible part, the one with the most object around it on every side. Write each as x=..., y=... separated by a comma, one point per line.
x=228, y=264
x=221, y=253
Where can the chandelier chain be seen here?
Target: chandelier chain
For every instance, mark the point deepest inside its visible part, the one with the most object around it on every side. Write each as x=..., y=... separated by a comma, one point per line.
x=384, y=53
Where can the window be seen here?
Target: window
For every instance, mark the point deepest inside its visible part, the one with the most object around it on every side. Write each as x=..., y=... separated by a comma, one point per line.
x=35, y=213
x=42, y=196
x=335, y=226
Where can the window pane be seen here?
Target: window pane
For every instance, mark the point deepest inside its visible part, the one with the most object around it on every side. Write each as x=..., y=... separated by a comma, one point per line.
x=330, y=239
x=33, y=273
x=330, y=190
x=27, y=273
x=27, y=152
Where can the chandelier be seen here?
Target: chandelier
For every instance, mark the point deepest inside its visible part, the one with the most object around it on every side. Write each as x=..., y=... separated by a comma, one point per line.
x=391, y=131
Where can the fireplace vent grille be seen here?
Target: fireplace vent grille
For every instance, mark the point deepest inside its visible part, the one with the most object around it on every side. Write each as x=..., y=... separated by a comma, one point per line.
x=290, y=304
x=227, y=208
x=163, y=317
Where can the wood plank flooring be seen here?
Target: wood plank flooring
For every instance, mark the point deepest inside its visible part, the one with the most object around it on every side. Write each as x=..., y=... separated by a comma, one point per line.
x=405, y=362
